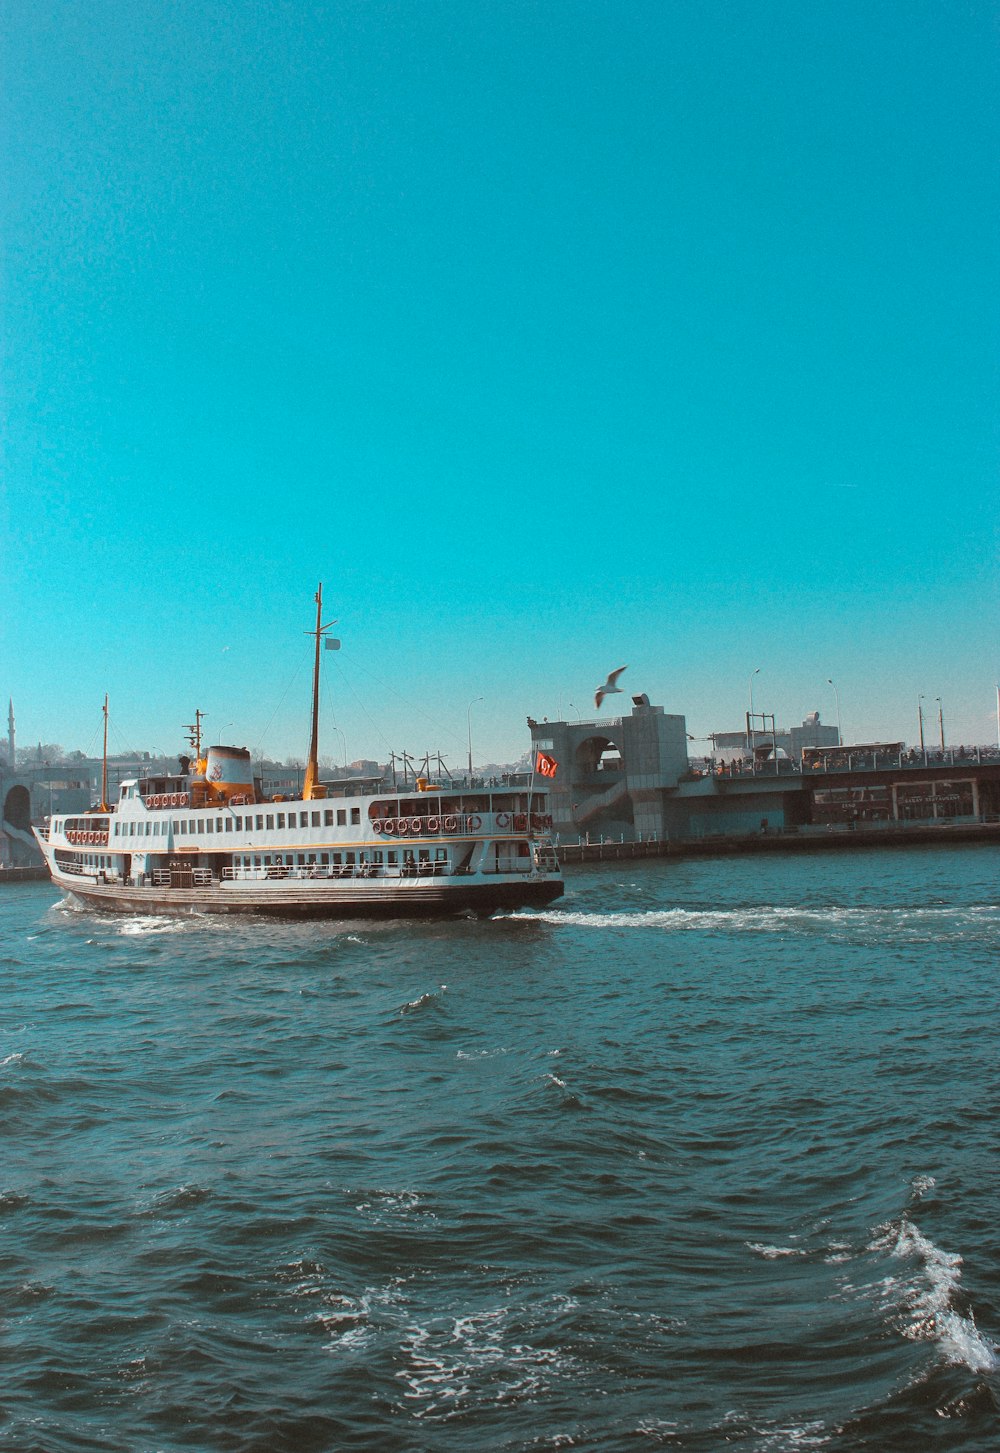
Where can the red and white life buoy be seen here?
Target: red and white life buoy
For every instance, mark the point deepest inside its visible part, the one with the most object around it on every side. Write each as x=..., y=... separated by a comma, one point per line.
x=503, y=819
x=389, y=825
x=376, y=824
x=450, y=824
x=473, y=822
x=416, y=824
x=433, y=824
x=183, y=799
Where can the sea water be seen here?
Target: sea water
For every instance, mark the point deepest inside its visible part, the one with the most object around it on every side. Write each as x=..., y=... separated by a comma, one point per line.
x=703, y=1156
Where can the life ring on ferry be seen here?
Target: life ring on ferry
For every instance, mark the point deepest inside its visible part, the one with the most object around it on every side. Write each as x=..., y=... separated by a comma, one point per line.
x=450, y=824
x=433, y=824
x=182, y=799
x=473, y=822
x=416, y=824
x=389, y=825
x=175, y=799
x=503, y=819
x=376, y=824
x=104, y=839
x=520, y=822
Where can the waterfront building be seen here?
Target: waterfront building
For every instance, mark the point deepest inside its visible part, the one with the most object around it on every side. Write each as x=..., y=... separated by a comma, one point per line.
x=629, y=779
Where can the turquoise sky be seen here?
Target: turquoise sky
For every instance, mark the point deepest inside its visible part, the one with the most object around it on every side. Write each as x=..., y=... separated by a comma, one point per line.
x=550, y=336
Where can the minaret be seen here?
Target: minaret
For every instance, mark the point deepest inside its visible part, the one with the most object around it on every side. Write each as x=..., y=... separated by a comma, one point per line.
x=10, y=730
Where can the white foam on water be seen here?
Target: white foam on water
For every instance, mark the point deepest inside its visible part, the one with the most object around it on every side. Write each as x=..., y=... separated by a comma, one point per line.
x=773, y=918
x=772, y=1253
x=143, y=926
x=925, y=1297
x=461, y=1362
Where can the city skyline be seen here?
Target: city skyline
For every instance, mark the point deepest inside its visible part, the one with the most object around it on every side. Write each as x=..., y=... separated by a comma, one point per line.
x=548, y=338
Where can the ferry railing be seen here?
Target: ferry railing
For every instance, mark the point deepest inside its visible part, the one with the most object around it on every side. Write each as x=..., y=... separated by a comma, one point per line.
x=274, y=872
x=913, y=759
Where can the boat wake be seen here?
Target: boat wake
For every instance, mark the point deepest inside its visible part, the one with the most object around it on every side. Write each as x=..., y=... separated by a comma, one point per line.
x=914, y=923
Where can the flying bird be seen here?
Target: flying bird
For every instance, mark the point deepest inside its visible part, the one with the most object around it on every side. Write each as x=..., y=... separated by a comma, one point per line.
x=609, y=686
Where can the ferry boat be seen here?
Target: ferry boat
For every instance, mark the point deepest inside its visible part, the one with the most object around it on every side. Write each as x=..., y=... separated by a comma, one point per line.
x=207, y=840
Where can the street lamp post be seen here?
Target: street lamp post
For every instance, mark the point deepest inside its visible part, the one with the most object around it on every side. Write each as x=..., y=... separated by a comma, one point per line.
x=343, y=739
x=472, y=703
x=940, y=720
x=840, y=730
x=920, y=720
x=753, y=673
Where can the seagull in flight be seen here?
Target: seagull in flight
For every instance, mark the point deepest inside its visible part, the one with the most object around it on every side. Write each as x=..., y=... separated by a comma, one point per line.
x=610, y=686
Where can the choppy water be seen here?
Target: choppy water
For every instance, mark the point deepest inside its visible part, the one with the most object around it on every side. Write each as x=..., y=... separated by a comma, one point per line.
x=704, y=1156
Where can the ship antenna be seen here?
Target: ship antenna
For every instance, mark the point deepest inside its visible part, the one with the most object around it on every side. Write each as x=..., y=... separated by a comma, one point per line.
x=193, y=730
x=310, y=787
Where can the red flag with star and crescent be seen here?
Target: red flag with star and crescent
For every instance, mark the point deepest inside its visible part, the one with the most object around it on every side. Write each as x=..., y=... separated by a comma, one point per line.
x=545, y=765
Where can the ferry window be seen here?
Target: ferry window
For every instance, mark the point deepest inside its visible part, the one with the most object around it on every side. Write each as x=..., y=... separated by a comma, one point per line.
x=341, y=817
x=303, y=819
x=259, y=822
x=209, y=824
x=229, y=824
x=350, y=859
x=425, y=856
x=325, y=859
x=281, y=820
x=131, y=829
x=256, y=862
x=376, y=857
x=440, y=855
x=270, y=821
x=328, y=818
x=355, y=816
x=311, y=858
x=337, y=859
x=315, y=820
x=391, y=858
x=218, y=824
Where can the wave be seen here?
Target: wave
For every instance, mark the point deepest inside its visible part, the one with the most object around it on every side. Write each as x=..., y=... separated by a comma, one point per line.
x=924, y=1301
x=431, y=999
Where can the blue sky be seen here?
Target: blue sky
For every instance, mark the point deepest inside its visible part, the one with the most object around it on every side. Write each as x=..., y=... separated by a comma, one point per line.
x=549, y=336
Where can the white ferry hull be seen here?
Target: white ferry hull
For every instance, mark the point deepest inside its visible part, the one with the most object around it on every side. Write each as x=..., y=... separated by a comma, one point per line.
x=319, y=899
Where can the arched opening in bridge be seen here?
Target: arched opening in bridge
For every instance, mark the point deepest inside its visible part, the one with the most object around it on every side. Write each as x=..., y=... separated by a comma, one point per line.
x=598, y=754
x=17, y=808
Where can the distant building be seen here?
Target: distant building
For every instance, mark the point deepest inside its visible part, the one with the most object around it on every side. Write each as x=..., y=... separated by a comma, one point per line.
x=811, y=733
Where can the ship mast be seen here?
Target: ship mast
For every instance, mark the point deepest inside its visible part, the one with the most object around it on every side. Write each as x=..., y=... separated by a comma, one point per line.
x=104, y=760
x=311, y=787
